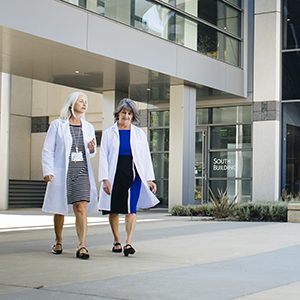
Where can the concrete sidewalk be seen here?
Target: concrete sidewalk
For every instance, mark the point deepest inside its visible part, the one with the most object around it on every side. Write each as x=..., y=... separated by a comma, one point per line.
x=176, y=258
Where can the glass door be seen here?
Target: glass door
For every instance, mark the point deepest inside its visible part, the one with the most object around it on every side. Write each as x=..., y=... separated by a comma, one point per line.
x=200, y=166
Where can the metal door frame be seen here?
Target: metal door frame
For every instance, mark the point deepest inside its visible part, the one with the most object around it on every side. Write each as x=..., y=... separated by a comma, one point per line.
x=204, y=130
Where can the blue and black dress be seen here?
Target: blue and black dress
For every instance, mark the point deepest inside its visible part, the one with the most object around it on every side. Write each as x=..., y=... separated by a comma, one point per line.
x=127, y=182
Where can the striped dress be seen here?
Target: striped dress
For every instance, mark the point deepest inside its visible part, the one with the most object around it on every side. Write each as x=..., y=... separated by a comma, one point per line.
x=78, y=183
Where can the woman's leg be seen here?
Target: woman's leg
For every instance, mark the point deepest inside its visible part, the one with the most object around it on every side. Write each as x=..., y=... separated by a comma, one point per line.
x=81, y=222
x=58, y=228
x=130, y=222
x=114, y=224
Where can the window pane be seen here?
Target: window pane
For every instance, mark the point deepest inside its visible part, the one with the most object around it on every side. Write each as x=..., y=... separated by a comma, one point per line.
x=291, y=24
x=201, y=116
x=291, y=75
x=292, y=159
x=232, y=51
x=156, y=139
x=166, y=136
x=233, y=20
x=234, y=114
x=235, y=2
x=162, y=191
x=231, y=137
x=230, y=164
x=160, y=165
x=159, y=118
x=208, y=41
x=241, y=188
x=224, y=115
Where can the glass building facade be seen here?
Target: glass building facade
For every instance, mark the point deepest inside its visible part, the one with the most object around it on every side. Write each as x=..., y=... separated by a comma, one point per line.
x=223, y=157
x=211, y=27
x=223, y=149
x=291, y=97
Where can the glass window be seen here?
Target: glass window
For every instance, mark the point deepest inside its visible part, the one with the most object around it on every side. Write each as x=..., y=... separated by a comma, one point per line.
x=159, y=118
x=241, y=188
x=291, y=148
x=178, y=27
x=208, y=41
x=231, y=137
x=221, y=15
x=230, y=164
x=202, y=116
x=232, y=51
x=291, y=24
x=234, y=114
x=159, y=139
x=290, y=75
x=162, y=191
x=160, y=165
x=235, y=2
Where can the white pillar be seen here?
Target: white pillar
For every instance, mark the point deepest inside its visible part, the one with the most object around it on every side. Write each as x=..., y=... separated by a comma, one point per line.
x=4, y=138
x=108, y=109
x=266, y=98
x=182, y=145
x=111, y=100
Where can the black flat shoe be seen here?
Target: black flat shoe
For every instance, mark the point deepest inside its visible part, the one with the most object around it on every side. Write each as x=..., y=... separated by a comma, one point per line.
x=56, y=251
x=128, y=249
x=82, y=255
x=114, y=249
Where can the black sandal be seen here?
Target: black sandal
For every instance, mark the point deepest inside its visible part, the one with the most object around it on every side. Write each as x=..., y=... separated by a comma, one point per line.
x=128, y=249
x=56, y=251
x=114, y=249
x=80, y=254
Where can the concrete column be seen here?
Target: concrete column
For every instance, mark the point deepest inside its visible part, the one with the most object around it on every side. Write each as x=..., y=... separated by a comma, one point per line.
x=111, y=100
x=182, y=145
x=4, y=138
x=266, y=97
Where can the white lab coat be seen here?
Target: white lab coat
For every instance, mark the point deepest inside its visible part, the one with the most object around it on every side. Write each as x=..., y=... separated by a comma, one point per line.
x=55, y=156
x=109, y=153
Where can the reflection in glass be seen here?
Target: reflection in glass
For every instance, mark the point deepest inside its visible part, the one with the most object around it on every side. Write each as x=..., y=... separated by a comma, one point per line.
x=234, y=114
x=291, y=24
x=241, y=188
x=177, y=27
x=231, y=137
x=232, y=51
x=201, y=116
x=162, y=192
x=292, y=159
x=159, y=118
x=208, y=40
x=160, y=165
x=290, y=75
x=231, y=164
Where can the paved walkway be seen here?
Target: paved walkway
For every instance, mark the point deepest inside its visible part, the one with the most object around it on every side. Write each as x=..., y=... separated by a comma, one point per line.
x=176, y=258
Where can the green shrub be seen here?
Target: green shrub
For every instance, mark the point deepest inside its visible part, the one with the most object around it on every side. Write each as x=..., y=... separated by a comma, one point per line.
x=272, y=211
x=180, y=210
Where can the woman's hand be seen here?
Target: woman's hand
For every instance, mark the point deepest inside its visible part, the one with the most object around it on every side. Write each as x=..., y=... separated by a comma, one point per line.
x=152, y=186
x=91, y=145
x=106, y=186
x=48, y=178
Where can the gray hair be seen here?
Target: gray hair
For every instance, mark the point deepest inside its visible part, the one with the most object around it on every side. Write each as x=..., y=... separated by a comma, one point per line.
x=131, y=106
x=67, y=111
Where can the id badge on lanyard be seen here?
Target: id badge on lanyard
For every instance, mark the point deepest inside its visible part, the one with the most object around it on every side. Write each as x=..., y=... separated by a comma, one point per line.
x=77, y=156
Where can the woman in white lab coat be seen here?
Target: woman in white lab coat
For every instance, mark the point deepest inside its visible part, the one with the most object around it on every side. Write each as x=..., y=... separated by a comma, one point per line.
x=69, y=145
x=126, y=173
